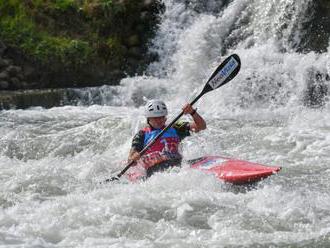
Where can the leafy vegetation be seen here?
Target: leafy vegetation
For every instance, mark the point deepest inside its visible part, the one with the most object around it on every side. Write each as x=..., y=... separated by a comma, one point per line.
x=67, y=31
x=19, y=29
x=77, y=40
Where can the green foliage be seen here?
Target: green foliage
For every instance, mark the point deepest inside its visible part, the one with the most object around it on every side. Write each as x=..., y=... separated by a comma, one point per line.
x=107, y=3
x=19, y=30
x=15, y=27
x=111, y=9
x=59, y=5
x=71, y=32
x=10, y=8
x=115, y=47
x=113, y=42
x=64, y=4
x=69, y=52
x=103, y=9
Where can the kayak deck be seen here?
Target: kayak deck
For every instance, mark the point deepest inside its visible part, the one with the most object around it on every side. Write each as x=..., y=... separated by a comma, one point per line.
x=233, y=170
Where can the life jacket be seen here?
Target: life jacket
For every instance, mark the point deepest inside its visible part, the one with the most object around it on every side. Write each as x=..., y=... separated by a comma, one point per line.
x=164, y=149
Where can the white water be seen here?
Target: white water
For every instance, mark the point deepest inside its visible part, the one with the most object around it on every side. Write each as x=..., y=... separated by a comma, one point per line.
x=51, y=160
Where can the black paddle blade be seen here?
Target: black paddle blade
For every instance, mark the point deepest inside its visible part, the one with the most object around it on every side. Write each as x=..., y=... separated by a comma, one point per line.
x=112, y=179
x=224, y=73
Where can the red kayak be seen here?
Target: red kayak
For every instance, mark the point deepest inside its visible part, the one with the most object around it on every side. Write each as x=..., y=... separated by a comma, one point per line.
x=233, y=170
x=226, y=169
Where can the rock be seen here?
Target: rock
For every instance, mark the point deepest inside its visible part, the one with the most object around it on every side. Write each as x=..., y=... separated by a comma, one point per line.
x=147, y=3
x=2, y=48
x=3, y=63
x=8, y=62
x=4, y=75
x=133, y=64
x=317, y=29
x=135, y=52
x=13, y=70
x=4, y=85
x=317, y=88
x=20, y=76
x=133, y=40
x=28, y=71
x=144, y=15
x=28, y=98
x=15, y=83
x=117, y=74
x=140, y=28
x=25, y=85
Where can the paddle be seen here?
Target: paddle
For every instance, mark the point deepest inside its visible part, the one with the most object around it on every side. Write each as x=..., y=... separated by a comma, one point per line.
x=222, y=75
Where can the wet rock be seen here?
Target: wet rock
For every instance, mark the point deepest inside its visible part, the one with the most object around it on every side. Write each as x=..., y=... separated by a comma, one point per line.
x=133, y=40
x=4, y=75
x=15, y=83
x=13, y=70
x=28, y=98
x=135, y=52
x=317, y=29
x=3, y=63
x=117, y=74
x=140, y=28
x=24, y=85
x=147, y=3
x=2, y=48
x=4, y=85
x=28, y=71
x=20, y=76
x=317, y=88
x=144, y=15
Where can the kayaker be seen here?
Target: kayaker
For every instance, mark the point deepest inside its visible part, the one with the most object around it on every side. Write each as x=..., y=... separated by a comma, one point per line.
x=164, y=153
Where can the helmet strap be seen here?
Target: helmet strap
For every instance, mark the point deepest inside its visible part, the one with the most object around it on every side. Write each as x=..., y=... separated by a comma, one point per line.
x=149, y=123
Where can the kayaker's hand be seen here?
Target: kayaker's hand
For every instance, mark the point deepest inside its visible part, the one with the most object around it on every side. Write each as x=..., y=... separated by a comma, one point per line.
x=134, y=156
x=188, y=109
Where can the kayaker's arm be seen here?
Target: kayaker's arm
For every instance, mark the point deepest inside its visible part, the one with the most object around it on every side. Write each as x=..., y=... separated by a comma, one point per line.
x=199, y=123
x=137, y=146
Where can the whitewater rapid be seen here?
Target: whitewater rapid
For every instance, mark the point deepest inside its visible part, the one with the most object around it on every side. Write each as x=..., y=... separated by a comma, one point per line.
x=52, y=160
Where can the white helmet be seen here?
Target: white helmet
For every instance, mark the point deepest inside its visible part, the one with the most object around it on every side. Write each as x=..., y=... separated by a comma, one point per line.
x=155, y=108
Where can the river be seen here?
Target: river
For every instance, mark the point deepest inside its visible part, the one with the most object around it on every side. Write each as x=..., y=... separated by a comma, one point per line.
x=275, y=112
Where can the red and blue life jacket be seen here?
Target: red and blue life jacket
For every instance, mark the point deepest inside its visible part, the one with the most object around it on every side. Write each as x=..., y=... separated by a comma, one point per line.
x=164, y=149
